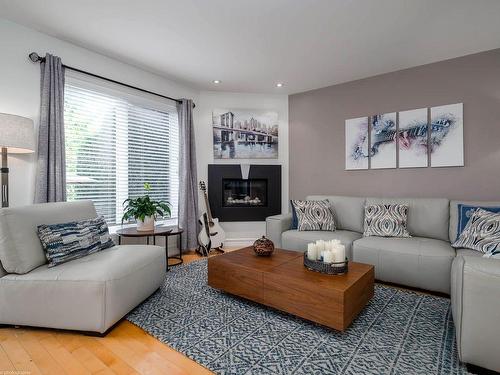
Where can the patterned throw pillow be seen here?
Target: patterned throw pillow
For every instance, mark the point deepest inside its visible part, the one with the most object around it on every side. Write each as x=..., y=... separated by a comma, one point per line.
x=386, y=220
x=465, y=212
x=314, y=215
x=68, y=241
x=482, y=233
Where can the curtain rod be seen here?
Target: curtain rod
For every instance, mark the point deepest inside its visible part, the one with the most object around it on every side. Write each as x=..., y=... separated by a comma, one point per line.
x=36, y=58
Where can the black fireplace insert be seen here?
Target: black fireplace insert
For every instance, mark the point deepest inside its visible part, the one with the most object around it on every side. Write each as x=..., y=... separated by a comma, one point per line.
x=234, y=197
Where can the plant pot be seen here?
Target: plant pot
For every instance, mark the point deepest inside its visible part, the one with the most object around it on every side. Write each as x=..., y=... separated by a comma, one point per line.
x=148, y=225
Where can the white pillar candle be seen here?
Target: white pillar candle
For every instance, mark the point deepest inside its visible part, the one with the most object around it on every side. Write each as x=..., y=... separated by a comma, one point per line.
x=328, y=257
x=312, y=252
x=328, y=246
x=321, y=245
x=341, y=253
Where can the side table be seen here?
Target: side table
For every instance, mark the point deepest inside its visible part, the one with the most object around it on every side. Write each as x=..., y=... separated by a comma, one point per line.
x=160, y=231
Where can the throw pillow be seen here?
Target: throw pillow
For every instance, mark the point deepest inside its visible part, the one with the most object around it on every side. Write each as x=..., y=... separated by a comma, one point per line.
x=482, y=232
x=465, y=212
x=68, y=241
x=386, y=220
x=495, y=254
x=314, y=215
x=295, y=220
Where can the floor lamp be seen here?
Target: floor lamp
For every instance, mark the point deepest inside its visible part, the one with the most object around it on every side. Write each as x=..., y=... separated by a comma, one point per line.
x=17, y=136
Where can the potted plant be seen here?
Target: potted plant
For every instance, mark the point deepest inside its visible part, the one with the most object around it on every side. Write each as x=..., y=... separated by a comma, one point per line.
x=144, y=210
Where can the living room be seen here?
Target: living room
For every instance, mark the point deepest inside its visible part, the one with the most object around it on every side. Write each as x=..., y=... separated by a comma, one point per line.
x=265, y=187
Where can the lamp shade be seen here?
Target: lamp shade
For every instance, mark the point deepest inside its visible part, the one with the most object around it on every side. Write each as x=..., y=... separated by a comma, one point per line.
x=16, y=134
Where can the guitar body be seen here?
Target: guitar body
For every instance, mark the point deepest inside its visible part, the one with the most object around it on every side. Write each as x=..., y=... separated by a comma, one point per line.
x=212, y=236
x=217, y=234
x=204, y=241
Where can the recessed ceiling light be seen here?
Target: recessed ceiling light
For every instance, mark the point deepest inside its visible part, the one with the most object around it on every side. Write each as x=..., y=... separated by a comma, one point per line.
x=279, y=84
x=216, y=81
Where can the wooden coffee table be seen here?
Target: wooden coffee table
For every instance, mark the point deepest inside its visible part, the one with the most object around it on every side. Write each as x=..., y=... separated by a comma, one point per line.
x=281, y=281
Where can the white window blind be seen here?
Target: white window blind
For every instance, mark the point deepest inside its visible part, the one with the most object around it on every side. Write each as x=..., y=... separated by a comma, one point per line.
x=114, y=145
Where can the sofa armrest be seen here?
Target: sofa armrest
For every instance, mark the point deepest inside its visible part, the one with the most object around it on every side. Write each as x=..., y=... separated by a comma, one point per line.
x=475, y=298
x=275, y=225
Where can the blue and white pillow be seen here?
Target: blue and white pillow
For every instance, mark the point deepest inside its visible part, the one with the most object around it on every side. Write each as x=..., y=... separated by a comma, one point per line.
x=482, y=233
x=77, y=239
x=466, y=211
x=295, y=219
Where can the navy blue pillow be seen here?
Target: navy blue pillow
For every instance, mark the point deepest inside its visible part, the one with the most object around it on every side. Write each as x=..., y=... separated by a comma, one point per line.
x=465, y=213
x=295, y=219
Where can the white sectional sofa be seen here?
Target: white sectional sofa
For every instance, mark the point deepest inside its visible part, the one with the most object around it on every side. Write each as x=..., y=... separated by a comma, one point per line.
x=426, y=260
x=88, y=294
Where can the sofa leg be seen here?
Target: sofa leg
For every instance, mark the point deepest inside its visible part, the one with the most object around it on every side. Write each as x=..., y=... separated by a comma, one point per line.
x=99, y=334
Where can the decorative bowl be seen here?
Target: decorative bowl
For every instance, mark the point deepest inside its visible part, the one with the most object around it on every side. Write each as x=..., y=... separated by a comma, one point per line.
x=263, y=247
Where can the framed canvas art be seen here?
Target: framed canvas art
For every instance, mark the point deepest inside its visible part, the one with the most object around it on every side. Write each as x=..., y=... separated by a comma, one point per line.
x=446, y=141
x=383, y=141
x=356, y=143
x=412, y=138
x=245, y=134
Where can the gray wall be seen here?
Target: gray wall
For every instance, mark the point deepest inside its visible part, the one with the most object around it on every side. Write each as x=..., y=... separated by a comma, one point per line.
x=317, y=118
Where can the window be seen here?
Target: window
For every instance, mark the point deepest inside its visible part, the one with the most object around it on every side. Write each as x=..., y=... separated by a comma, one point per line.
x=115, y=142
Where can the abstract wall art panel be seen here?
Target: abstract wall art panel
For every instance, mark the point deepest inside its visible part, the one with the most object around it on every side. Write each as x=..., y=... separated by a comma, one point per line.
x=383, y=141
x=245, y=134
x=356, y=143
x=446, y=143
x=413, y=137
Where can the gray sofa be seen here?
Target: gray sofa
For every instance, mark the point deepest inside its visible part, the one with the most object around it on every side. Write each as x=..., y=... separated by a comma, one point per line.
x=88, y=294
x=426, y=261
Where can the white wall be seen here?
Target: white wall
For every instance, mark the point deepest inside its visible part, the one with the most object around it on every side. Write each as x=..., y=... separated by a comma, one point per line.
x=20, y=95
x=240, y=233
x=20, y=88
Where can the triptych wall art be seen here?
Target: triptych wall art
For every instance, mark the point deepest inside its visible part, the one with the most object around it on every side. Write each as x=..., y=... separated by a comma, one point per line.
x=407, y=139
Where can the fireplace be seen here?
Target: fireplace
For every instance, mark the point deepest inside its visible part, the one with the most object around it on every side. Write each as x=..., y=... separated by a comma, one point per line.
x=244, y=193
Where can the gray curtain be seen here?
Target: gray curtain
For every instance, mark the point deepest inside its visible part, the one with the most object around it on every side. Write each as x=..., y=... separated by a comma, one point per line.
x=188, y=179
x=51, y=166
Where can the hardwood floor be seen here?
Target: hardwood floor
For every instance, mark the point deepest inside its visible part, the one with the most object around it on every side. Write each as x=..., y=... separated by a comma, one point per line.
x=127, y=349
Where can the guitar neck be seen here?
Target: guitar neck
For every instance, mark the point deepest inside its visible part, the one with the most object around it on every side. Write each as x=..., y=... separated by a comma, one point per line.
x=414, y=131
x=207, y=204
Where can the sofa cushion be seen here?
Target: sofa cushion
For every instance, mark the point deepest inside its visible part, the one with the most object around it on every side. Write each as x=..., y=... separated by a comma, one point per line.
x=298, y=240
x=20, y=247
x=427, y=217
x=417, y=261
x=89, y=294
x=454, y=215
x=314, y=215
x=349, y=211
x=386, y=220
x=468, y=253
x=68, y=241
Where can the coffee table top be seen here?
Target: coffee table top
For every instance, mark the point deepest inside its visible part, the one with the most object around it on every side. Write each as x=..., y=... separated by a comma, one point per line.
x=247, y=258
x=290, y=264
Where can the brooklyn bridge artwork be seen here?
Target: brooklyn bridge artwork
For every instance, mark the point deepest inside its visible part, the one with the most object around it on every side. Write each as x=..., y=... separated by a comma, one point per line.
x=245, y=134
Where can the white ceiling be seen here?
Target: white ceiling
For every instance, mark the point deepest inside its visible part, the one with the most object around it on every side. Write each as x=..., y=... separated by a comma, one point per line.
x=250, y=45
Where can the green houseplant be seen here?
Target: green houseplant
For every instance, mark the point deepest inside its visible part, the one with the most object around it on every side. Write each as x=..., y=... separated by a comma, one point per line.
x=145, y=210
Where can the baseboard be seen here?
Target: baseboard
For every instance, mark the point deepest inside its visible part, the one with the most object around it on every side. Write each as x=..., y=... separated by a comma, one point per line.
x=238, y=242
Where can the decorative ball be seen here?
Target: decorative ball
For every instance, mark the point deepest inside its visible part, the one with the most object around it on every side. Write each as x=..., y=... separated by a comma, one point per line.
x=263, y=247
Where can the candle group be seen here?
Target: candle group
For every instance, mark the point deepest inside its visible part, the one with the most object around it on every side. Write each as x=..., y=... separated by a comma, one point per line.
x=326, y=251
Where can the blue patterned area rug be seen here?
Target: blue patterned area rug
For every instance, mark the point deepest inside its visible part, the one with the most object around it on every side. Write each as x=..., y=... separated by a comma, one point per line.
x=399, y=332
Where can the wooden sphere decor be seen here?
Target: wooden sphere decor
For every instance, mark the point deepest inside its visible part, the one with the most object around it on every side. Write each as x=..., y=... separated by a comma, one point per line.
x=263, y=247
